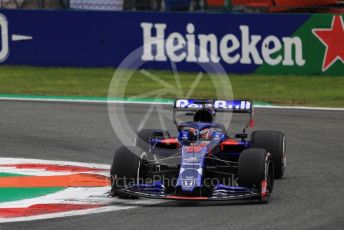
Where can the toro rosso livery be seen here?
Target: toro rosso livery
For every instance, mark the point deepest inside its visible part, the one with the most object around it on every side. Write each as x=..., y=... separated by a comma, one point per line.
x=203, y=162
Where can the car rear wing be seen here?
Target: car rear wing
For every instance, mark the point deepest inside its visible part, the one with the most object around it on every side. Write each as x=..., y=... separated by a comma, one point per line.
x=232, y=106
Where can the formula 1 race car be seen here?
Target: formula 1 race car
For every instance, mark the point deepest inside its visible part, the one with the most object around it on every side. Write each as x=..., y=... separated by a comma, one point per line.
x=203, y=162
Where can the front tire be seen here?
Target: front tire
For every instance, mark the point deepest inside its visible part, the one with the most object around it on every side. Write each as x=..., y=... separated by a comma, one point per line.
x=125, y=169
x=256, y=171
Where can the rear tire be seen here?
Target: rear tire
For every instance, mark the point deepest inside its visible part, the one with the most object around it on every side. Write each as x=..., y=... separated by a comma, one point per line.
x=125, y=169
x=256, y=171
x=274, y=142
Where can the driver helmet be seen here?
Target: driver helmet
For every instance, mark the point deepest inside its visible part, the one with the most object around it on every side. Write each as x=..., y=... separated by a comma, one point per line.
x=192, y=134
x=205, y=134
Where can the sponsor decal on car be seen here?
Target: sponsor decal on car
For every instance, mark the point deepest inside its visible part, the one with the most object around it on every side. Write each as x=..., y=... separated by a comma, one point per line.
x=218, y=104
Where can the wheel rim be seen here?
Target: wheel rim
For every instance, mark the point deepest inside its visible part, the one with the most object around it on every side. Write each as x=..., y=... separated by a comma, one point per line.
x=270, y=178
x=284, y=160
x=268, y=182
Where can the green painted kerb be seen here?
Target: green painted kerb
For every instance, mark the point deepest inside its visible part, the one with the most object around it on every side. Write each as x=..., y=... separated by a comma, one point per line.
x=13, y=194
x=2, y=174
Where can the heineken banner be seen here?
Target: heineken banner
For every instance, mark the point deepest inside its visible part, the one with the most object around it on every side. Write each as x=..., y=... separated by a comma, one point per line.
x=303, y=44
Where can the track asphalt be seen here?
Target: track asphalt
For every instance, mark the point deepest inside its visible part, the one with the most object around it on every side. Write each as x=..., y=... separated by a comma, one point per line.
x=311, y=196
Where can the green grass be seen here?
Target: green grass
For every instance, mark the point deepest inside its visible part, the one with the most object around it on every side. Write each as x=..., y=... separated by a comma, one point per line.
x=285, y=90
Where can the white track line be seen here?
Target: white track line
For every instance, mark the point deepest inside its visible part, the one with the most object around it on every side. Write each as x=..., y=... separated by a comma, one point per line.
x=82, y=101
x=155, y=102
x=41, y=172
x=298, y=107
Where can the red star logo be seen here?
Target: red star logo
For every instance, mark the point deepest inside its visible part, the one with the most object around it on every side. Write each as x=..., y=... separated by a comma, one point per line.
x=333, y=39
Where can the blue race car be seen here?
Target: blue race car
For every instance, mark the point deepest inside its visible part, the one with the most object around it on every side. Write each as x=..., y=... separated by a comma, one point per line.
x=203, y=162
